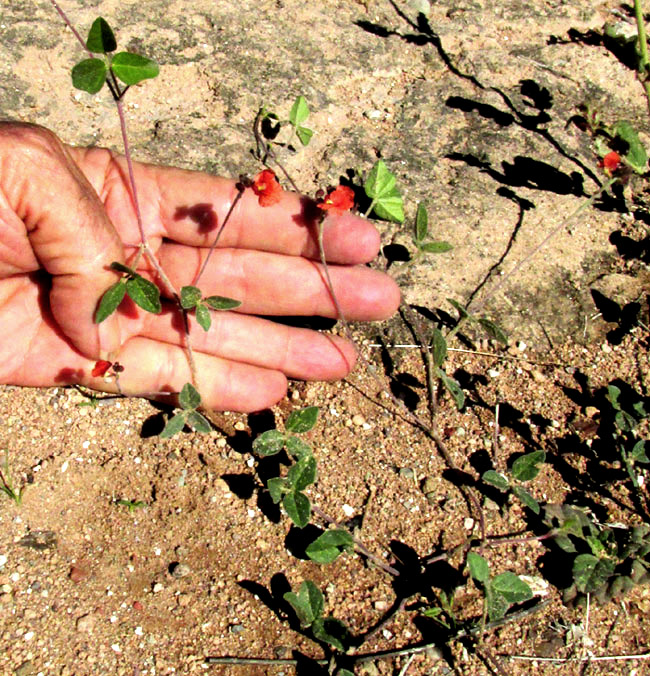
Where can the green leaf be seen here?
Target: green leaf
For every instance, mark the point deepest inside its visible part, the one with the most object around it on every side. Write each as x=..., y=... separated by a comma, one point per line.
x=462, y=312
x=453, y=387
x=89, y=75
x=299, y=111
x=421, y=224
x=497, y=604
x=613, y=393
x=298, y=508
x=268, y=443
x=198, y=422
x=144, y=293
x=329, y=545
x=564, y=543
x=298, y=448
x=304, y=135
x=343, y=672
x=380, y=181
x=173, y=426
x=110, y=301
x=496, y=479
x=493, y=330
x=120, y=267
x=303, y=473
x=189, y=397
x=203, y=317
x=590, y=572
x=435, y=247
x=277, y=487
x=133, y=68
x=526, y=467
x=190, y=296
x=390, y=207
x=512, y=587
x=303, y=420
x=380, y=187
x=100, y=37
x=526, y=498
x=439, y=346
x=478, y=567
x=636, y=155
x=639, y=452
x=307, y=603
x=332, y=631
x=221, y=302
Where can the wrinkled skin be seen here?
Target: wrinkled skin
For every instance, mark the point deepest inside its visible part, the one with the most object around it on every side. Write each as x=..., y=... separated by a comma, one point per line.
x=66, y=213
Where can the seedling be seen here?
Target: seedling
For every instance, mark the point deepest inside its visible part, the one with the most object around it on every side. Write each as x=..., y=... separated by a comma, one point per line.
x=190, y=400
x=606, y=561
x=289, y=489
x=308, y=605
x=131, y=505
x=501, y=591
x=6, y=484
x=524, y=469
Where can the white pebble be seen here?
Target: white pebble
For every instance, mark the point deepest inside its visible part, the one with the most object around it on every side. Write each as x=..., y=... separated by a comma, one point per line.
x=347, y=510
x=85, y=444
x=116, y=648
x=468, y=523
x=64, y=466
x=138, y=631
x=3, y=560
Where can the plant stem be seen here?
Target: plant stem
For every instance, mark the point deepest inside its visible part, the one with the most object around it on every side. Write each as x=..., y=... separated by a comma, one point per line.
x=238, y=196
x=644, y=61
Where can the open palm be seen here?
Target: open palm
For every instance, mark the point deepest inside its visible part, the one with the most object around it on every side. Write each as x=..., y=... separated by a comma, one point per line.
x=66, y=214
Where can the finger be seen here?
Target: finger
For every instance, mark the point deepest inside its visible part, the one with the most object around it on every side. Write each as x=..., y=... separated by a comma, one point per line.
x=298, y=353
x=273, y=284
x=151, y=369
x=67, y=228
x=189, y=207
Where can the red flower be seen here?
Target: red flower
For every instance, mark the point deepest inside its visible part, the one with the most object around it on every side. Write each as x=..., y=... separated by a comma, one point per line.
x=611, y=162
x=100, y=368
x=339, y=200
x=266, y=187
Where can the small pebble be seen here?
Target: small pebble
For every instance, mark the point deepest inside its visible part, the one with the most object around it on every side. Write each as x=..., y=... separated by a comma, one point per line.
x=591, y=411
x=347, y=510
x=468, y=523
x=77, y=574
x=240, y=426
x=387, y=634
x=381, y=605
x=236, y=628
x=605, y=348
x=158, y=587
x=25, y=669
x=407, y=472
x=86, y=623
x=179, y=570
x=358, y=420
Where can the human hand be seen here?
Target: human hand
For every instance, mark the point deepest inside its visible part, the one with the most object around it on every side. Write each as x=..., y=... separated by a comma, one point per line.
x=66, y=214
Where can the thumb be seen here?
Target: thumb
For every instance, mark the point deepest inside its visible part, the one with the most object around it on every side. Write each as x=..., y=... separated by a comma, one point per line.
x=68, y=229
